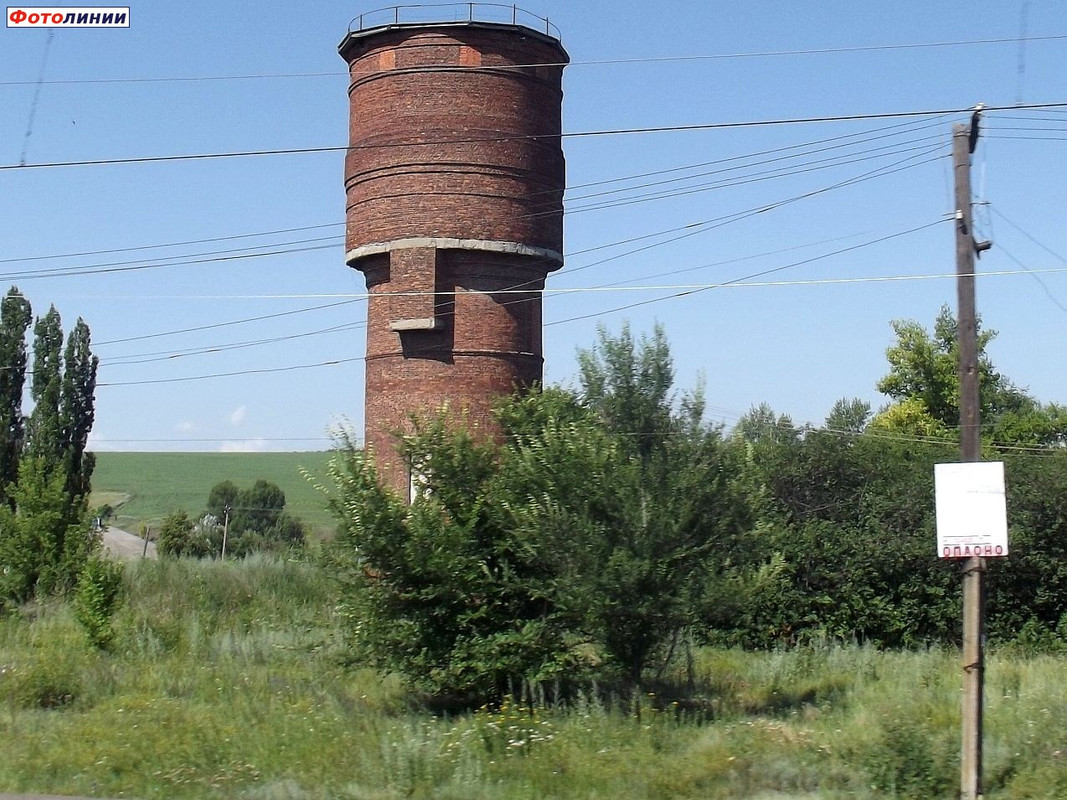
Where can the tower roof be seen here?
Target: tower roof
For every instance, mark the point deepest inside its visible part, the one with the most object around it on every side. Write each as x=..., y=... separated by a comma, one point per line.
x=490, y=16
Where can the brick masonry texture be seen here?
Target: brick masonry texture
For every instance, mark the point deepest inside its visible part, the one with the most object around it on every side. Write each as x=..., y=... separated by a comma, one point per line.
x=453, y=134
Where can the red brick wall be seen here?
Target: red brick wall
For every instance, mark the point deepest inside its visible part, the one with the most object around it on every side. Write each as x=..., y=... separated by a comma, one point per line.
x=450, y=140
x=443, y=149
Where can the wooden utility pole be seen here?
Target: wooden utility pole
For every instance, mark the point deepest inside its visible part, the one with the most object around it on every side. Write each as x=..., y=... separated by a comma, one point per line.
x=964, y=139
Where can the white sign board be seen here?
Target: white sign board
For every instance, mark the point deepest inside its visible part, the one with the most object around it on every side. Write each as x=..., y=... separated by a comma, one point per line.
x=972, y=518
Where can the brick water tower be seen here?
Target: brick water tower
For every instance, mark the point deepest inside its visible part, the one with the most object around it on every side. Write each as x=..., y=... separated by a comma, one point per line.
x=454, y=182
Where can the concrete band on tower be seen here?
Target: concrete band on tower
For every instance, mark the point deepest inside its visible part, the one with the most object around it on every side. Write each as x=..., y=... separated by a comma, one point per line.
x=454, y=181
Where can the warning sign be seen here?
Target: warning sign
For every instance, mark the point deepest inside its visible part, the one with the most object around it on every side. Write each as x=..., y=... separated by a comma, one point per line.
x=972, y=518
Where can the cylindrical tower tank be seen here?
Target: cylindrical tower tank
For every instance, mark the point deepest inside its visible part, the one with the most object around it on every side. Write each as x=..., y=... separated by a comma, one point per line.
x=454, y=182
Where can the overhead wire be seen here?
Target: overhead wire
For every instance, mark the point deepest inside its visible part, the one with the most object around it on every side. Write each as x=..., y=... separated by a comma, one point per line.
x=743, y=278
x=244, y=256
x=1036, y=450
x=217, y=439
x=716, y=414
x=362, y=324
x=1032, y=273
x=765, y=175
x=140, y=266
x=701, y=227
x=908, y=126
x=530, y=137
x=578, y=134
x=722, y=221
x=145, y=358
x=803, y=429
x=1027, y=118
x=698, y=228
x=171, y=261
x=137, y=265
x=589, y=62
x=170, y=244
x=225, y=324
x=860, y=139
x=881, y=133
x=1033, y=128
x=607, y=288
x=760, y=210
x=290, y=367
x=817, y=164
x=1058, y=256
x=750, y=257
x=334, y=362
x=995, y=135
x=233, y=373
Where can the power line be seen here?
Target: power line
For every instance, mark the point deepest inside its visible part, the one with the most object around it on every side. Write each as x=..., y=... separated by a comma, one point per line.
x=145, y=358
x=1033, y=128
x=140, y=266
x=300, y=367
x=171, y=244
x=936, y=440
x=693, y=229
x=260, y=371
x=869, y=153
x=607, y=288
x=1033, y=274
x=817, y=165
x=263, y=317
x=1027, y=138
x=531, y=137
x=1028, y=118
x=698, y=228
x=1055, y=300
x=228, y=323
x=217, y=440
x=730, y=415
x=804, y=167
x=353, y=359
x=188, y=157
x=863, y=137
x=218, y=256
x=594, y=62
x=863, y=140
x=805, y=429
x=1044, y=247
x=739, y=259
x=690, y=230
x=166, y=354
x=759, y=274
x=137, y=265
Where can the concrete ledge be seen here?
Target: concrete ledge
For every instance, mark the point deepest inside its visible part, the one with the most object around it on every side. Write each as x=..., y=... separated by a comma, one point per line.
x=446, y=243
x=423, y=324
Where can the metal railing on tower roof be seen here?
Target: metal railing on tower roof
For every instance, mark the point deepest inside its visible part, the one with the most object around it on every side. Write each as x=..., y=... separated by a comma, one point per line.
x=439, y=13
